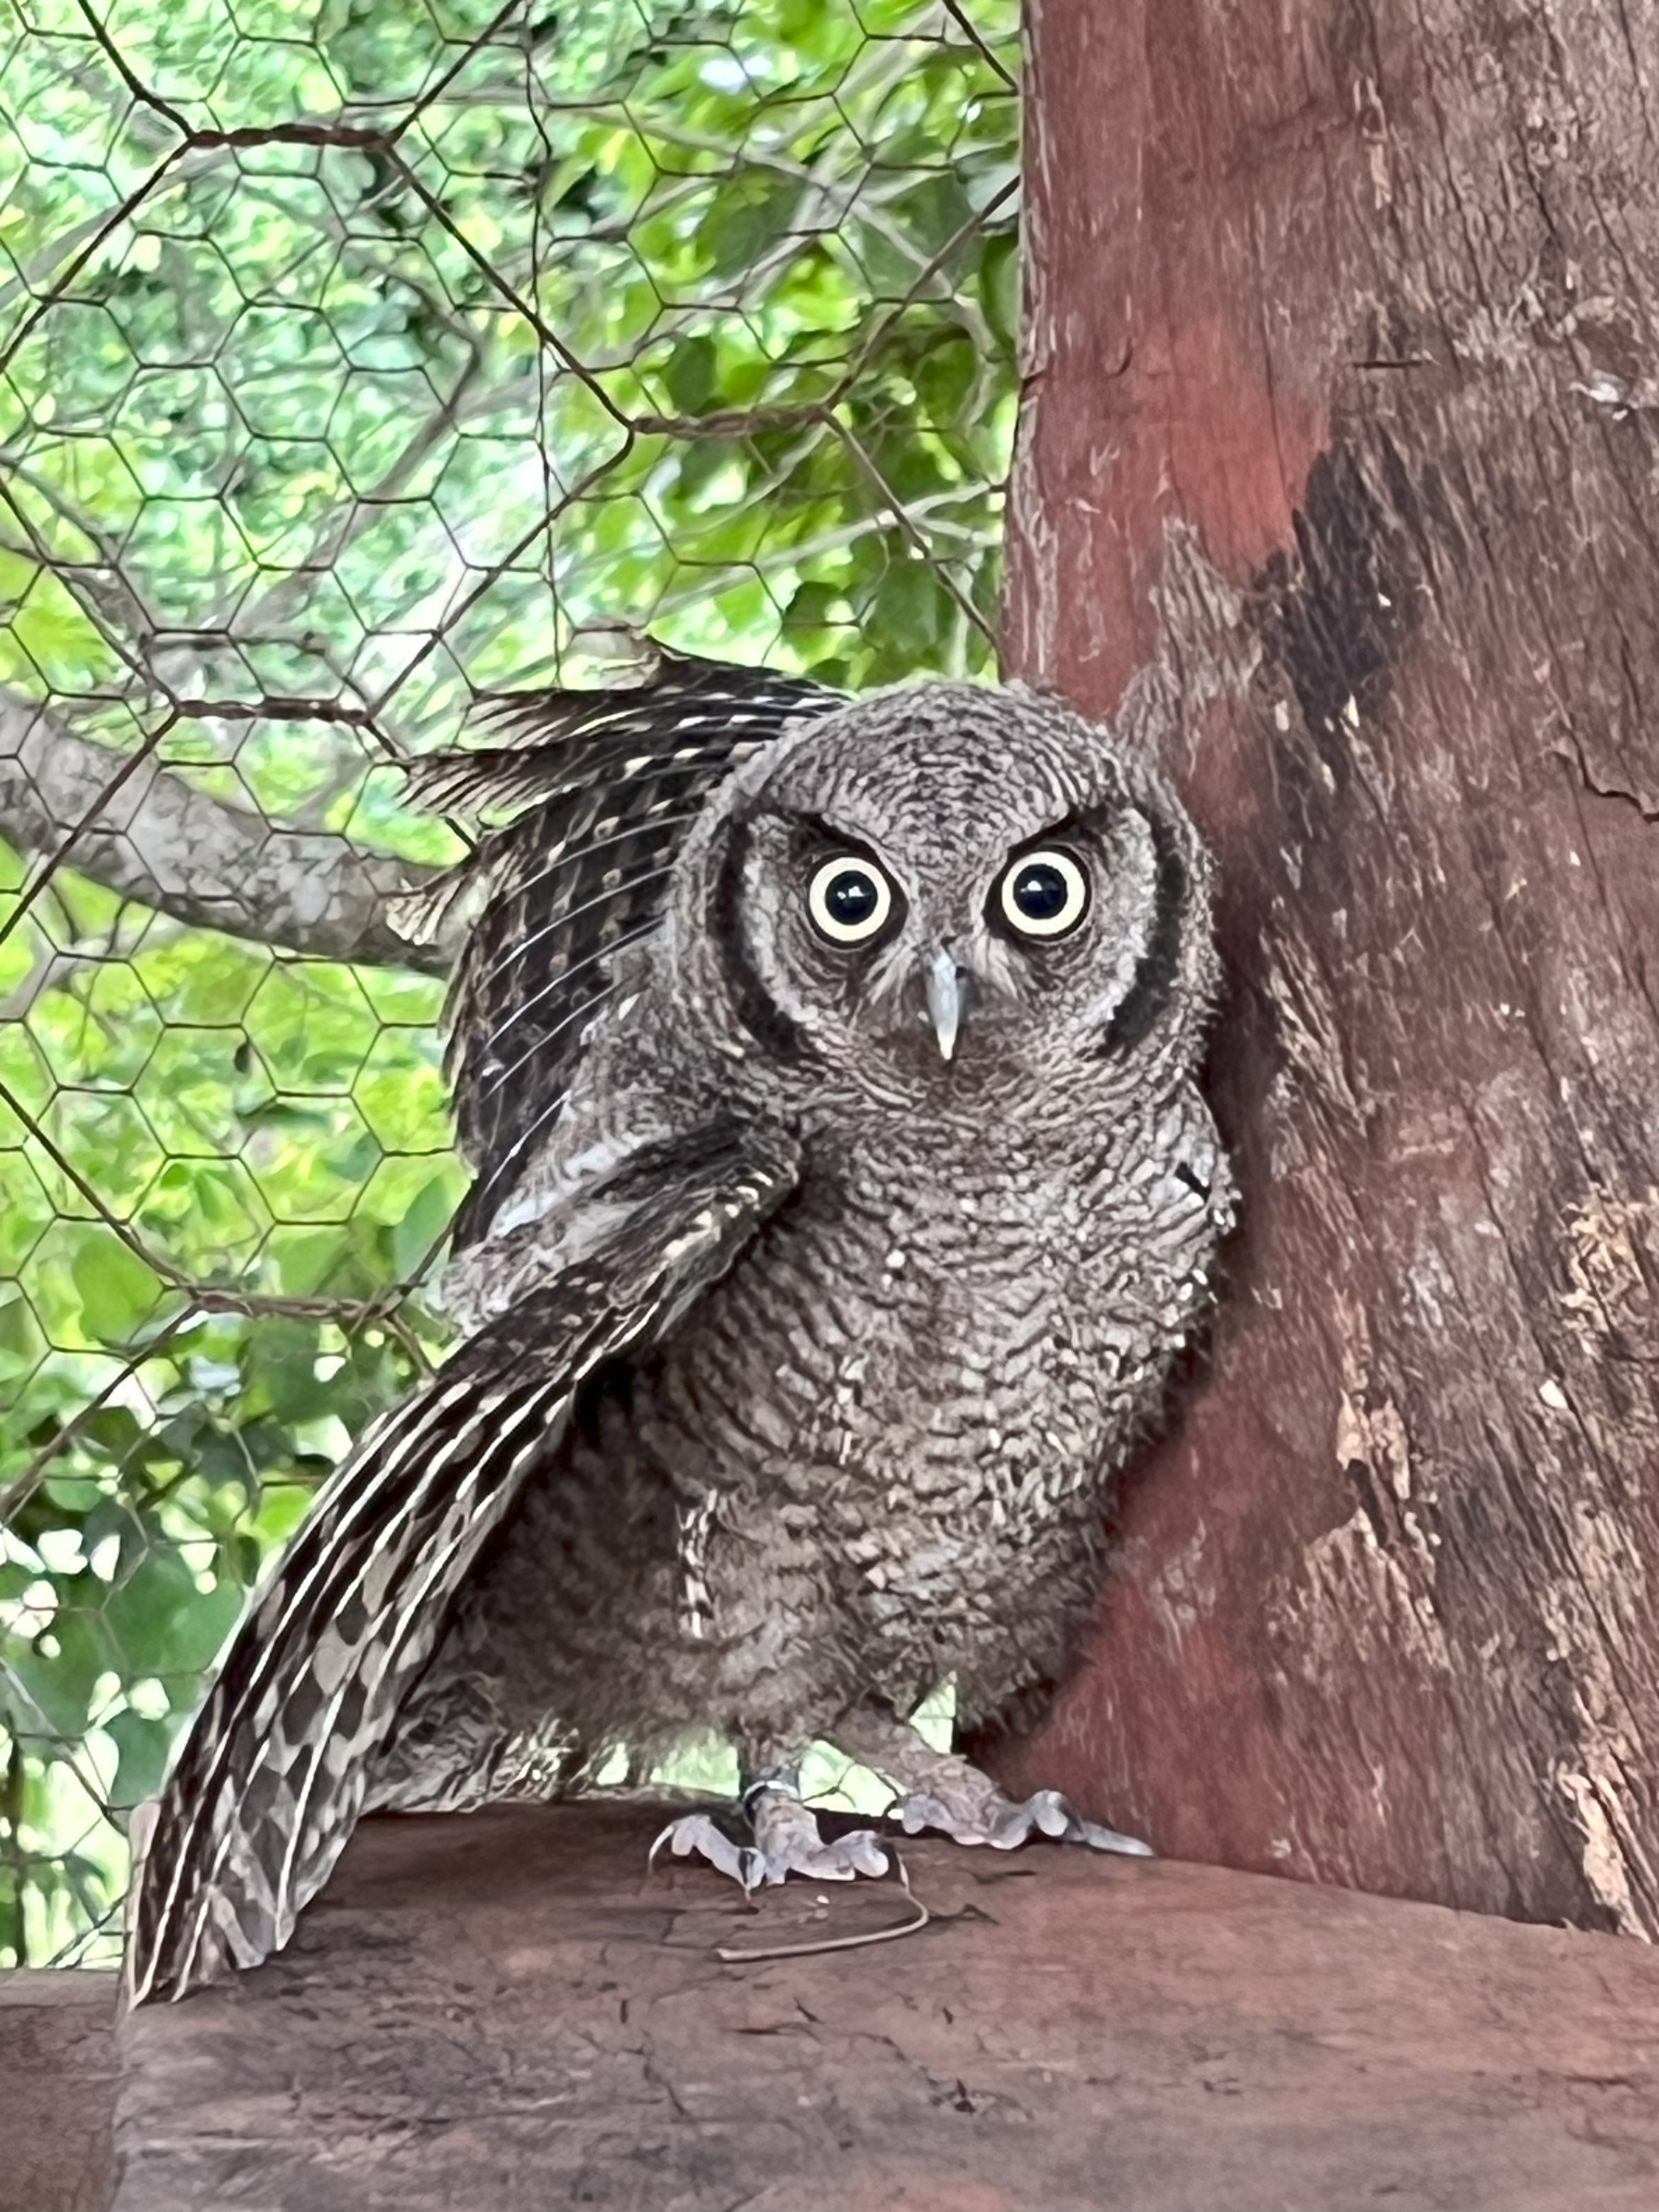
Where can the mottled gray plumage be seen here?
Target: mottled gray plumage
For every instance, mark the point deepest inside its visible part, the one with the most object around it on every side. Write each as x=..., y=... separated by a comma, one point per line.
x=826, y=1257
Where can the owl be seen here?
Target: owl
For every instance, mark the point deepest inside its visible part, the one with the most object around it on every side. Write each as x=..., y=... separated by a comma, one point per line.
x=843, y=1193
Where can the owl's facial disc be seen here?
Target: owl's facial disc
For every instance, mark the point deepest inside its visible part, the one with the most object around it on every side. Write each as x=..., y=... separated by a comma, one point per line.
x=955, y=897
x=856, y=948
x=1039, y=895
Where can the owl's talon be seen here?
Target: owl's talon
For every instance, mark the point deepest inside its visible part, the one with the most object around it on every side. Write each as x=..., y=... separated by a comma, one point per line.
x=1004, y=1823
x=982, y=1815
x=1108, y=1839
x=786, y=1841
x=695, y=1832
x=942, y=1791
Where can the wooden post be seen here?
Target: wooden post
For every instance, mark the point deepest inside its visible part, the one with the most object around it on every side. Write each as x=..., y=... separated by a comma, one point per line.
x=1338, y=473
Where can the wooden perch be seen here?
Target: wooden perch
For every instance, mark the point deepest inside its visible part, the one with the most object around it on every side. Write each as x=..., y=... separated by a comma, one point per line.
x=501, y=2013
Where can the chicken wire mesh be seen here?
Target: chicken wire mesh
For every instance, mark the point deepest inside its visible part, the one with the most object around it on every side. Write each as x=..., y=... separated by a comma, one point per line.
x=356, y=361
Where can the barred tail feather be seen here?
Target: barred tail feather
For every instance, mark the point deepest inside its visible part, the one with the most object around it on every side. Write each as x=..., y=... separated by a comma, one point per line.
x=273, y=1774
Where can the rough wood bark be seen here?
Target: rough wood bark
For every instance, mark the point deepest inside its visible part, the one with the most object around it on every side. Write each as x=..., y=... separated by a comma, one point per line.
x=1338, y=466
x=148, y=833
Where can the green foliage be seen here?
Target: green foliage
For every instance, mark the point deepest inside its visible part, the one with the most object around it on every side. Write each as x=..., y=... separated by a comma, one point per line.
x=379, y=353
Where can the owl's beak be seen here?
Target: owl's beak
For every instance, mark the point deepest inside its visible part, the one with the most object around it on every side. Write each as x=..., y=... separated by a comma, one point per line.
x=942, y=981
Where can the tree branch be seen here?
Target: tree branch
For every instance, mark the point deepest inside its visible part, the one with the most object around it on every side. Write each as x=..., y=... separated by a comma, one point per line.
x=147, y=833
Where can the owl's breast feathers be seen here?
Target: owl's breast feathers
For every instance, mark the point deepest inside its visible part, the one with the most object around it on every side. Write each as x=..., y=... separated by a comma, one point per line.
x=932, y=1357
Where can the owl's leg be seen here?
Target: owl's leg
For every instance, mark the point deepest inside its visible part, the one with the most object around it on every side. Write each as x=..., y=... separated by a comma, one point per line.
x=940, y=1790
x=454, y=1748
x=445, y=1751
x=786, y=1839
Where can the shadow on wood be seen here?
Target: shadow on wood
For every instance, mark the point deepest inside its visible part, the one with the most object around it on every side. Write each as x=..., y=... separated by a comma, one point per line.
x=502, y=2012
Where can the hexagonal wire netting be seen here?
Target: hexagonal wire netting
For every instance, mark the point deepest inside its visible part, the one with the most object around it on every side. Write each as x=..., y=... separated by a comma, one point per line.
x=355, y=360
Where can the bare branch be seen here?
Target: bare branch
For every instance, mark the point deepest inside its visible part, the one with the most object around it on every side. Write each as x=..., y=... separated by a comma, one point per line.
x=146, y=832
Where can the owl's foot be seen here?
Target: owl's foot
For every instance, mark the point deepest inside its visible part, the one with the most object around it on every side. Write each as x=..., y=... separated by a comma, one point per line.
x=937, y=1789
x=785, y=1841
x=986, y=1816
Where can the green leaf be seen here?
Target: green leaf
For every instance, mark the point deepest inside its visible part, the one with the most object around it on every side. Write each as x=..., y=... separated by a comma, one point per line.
x=999, y=289
x=747, y=215
x=159, y=1623
x=117, y=1291
x=280, y=1370
x=142, y=1748
x=52, y=1687
x=691, y=375
x=415, y=1237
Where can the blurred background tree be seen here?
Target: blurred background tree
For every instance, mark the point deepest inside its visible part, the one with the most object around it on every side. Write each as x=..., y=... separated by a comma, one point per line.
x=356, y=360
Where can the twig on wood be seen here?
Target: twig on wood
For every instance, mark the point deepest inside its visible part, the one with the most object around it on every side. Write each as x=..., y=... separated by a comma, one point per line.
x=920, y=1917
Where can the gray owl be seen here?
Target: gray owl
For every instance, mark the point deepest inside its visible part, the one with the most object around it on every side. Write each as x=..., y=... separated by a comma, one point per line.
x=843, y=1194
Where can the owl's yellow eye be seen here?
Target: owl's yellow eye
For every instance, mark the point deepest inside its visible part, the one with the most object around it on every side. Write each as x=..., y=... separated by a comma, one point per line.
x=1043, y=894
x=849, y=900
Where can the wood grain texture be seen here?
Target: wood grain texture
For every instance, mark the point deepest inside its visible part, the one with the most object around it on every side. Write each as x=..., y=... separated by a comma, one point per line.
x=57, y=2070
x=1337, y=474
x=498, y=2012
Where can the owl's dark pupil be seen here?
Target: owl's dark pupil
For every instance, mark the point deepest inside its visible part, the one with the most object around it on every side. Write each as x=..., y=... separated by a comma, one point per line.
x=1041, y=892
x=850, y=897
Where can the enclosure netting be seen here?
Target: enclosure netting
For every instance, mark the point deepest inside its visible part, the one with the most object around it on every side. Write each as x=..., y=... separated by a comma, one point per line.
x=356, y=361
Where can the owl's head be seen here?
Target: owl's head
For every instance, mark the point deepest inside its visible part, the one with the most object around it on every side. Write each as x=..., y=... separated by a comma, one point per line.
x=945, y=891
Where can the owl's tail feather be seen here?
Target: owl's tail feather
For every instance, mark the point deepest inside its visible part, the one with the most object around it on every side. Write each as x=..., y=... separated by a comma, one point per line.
x=269, y=1781
x=271, y=1777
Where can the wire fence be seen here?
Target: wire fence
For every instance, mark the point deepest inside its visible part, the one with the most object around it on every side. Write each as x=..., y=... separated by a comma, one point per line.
x=355, y=360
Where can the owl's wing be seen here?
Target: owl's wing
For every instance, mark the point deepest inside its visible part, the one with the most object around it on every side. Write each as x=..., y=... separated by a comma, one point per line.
x=585, y=801
x=268, y=1783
